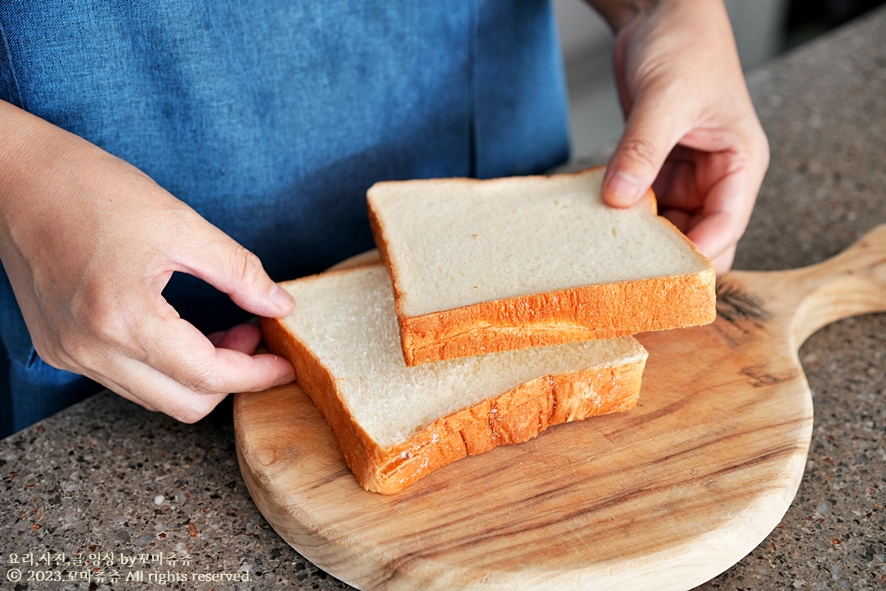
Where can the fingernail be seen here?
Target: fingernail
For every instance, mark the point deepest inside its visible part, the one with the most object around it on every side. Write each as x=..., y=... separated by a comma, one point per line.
x=281, y=298
x=623, y=189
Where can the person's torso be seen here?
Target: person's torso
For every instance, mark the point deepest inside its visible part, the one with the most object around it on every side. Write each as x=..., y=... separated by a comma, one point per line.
x=272, y=118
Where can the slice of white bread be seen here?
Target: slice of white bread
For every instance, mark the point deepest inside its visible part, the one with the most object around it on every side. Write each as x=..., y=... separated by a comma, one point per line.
x=485, y=266
x=394, y=423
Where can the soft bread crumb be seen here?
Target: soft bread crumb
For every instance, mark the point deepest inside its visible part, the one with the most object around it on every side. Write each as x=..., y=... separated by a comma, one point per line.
x=341, y=322
x=458, y=242
x=347, y=321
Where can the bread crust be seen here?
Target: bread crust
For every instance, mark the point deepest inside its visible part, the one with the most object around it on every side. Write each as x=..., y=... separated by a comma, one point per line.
x=557, y=317
x=514, y=416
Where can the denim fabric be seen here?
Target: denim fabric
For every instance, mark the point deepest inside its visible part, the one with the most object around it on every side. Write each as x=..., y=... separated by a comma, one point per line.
x=272, y=118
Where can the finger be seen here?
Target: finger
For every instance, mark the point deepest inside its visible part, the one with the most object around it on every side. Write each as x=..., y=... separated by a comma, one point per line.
x=221, y=262
x=723, y=262
x=689, y=224
x=142, y=385
x=118, y=389
x=677, y=183
x=726, y=212
x=715, y=233
x=651, y=132
x=216, y=337
x=681, y=219
x=155, y=391
x=177, y=349
x=243, y=337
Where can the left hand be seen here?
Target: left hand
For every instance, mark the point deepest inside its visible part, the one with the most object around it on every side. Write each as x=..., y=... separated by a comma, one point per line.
x=691, y=131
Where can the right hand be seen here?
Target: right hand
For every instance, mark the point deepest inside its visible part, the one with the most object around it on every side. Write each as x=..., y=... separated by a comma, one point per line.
x=89, y=242
x=691, y=131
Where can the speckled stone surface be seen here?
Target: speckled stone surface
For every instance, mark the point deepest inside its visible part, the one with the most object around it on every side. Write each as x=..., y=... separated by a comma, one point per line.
x=824, y=110
x=167, y=499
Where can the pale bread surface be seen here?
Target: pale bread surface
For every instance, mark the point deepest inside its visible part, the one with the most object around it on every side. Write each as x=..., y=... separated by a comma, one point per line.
x=343, y=341
x=348, y=321
x=458, y=242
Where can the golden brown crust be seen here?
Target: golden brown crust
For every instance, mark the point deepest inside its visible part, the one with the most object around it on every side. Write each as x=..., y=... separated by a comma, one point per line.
x=553, y=318
x=512, y=417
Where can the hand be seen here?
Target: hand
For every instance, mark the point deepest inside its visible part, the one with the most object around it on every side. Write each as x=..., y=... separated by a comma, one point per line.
x=89, y=242
x=691, y=130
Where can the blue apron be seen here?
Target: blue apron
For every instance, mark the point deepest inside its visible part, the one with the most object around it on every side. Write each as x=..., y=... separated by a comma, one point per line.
x=272, y=118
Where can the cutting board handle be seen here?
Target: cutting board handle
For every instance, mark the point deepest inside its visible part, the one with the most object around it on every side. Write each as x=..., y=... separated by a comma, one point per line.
x=806, y=299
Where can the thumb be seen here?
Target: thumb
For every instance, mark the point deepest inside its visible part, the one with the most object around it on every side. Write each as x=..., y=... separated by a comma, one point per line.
x=229, y=267
x=649, y=136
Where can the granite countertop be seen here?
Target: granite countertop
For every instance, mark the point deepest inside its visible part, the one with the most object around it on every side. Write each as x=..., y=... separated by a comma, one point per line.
x=137, y=494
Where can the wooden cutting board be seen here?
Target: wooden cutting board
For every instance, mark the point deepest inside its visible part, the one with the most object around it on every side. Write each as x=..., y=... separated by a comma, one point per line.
x=665, y=496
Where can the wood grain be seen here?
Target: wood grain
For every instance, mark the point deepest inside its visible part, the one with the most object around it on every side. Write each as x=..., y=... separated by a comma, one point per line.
x=664, y=496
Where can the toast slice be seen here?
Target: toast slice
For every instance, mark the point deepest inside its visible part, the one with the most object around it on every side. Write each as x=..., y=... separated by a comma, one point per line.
x=504, y=264
x=395, y=424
